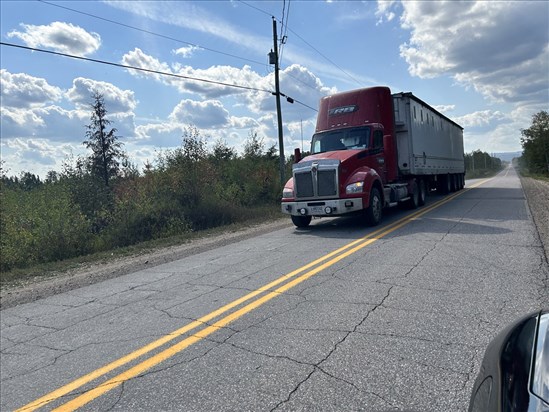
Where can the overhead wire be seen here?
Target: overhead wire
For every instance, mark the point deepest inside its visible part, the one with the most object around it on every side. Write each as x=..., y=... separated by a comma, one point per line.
x=152, y=33
x=283, y=26
x=180, y=76
x=326, y=58
x=306, y=42
x=284, y=30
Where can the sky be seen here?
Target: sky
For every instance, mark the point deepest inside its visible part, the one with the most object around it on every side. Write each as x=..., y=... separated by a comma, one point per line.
x=484, y=64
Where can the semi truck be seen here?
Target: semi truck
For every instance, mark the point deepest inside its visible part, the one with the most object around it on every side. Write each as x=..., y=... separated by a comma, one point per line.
x=372, y=149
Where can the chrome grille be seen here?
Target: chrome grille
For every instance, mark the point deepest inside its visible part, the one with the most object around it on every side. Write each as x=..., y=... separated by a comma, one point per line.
x=304, y=184
x=327, y=184
x=316, y=179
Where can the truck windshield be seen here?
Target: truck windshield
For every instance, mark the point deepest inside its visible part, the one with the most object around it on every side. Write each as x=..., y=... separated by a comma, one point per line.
x=352, y=138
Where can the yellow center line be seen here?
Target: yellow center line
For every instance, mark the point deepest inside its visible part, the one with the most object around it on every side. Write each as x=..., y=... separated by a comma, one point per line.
x=165, y=354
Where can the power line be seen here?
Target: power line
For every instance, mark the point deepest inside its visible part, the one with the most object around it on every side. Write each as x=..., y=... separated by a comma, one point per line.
x=185, y=42
x=330, y=61
x=306, y=42
x=292, y=100
x=284, y=28
x=179, y=76
x=152, y=33
x=256, y=8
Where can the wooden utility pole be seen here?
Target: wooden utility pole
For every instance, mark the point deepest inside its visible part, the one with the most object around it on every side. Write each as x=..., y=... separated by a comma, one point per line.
x=274, y=60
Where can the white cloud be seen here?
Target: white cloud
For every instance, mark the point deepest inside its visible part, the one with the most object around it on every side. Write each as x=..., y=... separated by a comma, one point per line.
x=206, y=114
x=162, y=135
x=444, y=108
x=296, y=81
x=59, y=36
x=26, y=113
x=21, y=90
x=116, y=100
x=35, y=155
x=384, y=10
x=191, y=16
x=187, y=51
x=229, y=75
x=499, y=48
x=480, y=118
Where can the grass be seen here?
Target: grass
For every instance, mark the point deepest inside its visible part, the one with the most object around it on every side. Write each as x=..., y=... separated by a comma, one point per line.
x=480, y=173
x=537, y=176
x=21, y=276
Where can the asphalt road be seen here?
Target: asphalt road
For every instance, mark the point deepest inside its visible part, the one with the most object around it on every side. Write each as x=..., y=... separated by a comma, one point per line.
x=335, y=317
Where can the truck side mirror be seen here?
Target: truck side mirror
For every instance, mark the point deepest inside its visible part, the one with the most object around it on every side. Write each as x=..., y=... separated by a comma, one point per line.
x=297, y=155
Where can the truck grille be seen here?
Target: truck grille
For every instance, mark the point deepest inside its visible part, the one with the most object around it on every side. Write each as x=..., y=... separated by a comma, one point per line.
x=323, y=183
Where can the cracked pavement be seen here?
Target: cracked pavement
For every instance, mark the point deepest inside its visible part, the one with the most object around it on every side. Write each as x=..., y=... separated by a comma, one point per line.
x=401, y=324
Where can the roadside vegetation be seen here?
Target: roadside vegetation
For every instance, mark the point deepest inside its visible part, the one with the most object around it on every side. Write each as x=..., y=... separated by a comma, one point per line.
x=480, y=164
x=102, y=202
x=534, y=161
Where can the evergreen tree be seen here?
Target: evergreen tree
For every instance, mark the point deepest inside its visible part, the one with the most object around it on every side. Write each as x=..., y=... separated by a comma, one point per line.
x=107, y=153
x=535, y=142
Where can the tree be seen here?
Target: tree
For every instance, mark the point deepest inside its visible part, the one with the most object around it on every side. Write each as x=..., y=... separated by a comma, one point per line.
x=107, y=153
x=535, y=142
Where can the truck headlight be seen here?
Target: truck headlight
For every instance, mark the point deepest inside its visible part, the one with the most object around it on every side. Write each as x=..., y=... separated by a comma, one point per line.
x=287, y=193
x=354, y=188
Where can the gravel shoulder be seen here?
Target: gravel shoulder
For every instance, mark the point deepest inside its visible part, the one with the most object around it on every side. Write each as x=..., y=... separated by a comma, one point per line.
x=537, y=194
x=536, y=191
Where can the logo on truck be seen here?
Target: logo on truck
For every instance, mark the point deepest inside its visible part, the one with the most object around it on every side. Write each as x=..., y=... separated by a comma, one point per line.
x=342, y=110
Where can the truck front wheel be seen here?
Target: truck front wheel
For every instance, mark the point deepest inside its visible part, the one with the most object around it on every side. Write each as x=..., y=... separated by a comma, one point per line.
x=301, y=221
x=374, y=211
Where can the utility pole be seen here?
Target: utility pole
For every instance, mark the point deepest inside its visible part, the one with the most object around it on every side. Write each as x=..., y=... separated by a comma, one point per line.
x=273, y=59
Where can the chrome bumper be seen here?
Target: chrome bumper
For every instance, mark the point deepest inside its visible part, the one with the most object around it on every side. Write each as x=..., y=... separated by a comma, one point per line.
x=333, y=207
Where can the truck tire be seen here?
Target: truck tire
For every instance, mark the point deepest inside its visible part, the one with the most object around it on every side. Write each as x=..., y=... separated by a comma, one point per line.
x=374, y=212
x=413, y=203
x=455, y=180
x=301, y=221
x=443, y=184
x=422, y=192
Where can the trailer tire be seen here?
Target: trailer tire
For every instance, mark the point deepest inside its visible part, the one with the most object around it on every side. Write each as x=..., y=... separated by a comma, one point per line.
x=413, y=203
x=301, y=221
x=453, y=183
x=444, y=184
x=422, y=192
x=374, y=212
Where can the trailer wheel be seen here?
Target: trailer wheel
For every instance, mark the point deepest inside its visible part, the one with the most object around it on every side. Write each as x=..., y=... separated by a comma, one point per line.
x=413, y=203
x=453, y=183
x=422, y=192
x=301, y=221
x=444, y=184
x=374, y=212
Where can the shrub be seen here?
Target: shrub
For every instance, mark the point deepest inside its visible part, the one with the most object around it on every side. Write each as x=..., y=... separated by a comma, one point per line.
x=39, y=226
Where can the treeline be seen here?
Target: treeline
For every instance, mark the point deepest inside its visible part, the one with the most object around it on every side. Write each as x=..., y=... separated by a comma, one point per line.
x=481, y=164
x=81, y=211
x=535, y=145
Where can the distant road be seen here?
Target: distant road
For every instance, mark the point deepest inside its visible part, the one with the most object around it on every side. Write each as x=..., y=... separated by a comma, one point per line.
x=335, y=317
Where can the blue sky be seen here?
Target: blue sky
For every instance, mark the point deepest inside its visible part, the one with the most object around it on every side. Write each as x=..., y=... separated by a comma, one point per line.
x=484, y=64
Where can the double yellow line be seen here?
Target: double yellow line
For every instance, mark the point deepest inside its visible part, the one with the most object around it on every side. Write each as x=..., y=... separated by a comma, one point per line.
x=267, y=291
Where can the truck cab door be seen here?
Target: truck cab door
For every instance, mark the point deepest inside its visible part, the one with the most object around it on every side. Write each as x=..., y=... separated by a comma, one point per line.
x=379, y=154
